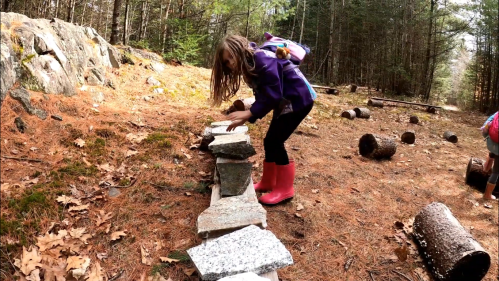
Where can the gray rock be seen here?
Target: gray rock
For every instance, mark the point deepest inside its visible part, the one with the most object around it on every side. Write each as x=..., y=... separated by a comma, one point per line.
x=113, y=192
x=96, y=76
x=20, y=94
x=221, y=123
x=98, y=97
x=229, y=214
x=235, y=176
x=55, y=55
x=20, y=124
x=222, y=130
x=250, y=249
x=158, y=67
x=152, y=81
x=248, y=276
x=158, y=90
x=237, y=146
x=56, y=117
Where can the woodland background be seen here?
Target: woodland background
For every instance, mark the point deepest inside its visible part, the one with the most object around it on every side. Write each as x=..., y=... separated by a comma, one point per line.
x=438, y=51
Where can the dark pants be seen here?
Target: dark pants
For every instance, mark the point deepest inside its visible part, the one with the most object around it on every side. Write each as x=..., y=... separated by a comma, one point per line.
x=495, y=168
x=279, y=131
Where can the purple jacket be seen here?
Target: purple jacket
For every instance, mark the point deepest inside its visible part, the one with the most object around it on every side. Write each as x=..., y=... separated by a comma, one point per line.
x=279, y=86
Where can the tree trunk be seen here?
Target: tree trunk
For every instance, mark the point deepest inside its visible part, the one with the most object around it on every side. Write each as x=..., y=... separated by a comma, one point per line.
x=424, y=84
x=294, y=20
x=83, y=13
x=362, y=112
x=71, y=10
x=451, y=251
x=125, y=25
x=376, y=146
x=107, y=19
x=303, y=19
x=408, y=137
x=165, y=29
x=475, y=176
x=350, y=114
x=247, y=19
x=375, y=103
x=115, y=25
x=143, y=15
x=99, y=16
x=450, y=136
x=330, y=59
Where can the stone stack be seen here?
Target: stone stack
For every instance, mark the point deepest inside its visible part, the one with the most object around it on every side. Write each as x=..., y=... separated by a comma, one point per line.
x=236, y=245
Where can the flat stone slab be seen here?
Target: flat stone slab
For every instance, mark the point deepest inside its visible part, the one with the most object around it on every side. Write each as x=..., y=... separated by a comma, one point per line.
x=222, y=130
x=237, y=146
x=221, y=123
x=235, y=176
x=248, y=276
x=229, y=214
x=250, y=249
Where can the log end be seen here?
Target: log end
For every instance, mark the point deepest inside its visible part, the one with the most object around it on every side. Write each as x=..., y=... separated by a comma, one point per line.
x=239, y=105
x=431, y=109
x=350, y=114
x=414, y=120
x=471, y=267
x=408, y=137
x=367, y=144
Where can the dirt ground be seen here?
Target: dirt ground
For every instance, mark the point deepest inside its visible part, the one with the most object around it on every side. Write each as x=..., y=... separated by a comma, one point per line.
x=345, y=231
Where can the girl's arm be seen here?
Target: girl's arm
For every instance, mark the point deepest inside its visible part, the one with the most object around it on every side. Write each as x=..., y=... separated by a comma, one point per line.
x=269, y=89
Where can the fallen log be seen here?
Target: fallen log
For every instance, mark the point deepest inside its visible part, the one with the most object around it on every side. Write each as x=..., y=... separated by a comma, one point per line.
x=408, y=137
x=376, y=146
x=451, y=252
x=414, y=119
x=431, y=109
x=243, y=104
x=350, y=114
x=450, y=136
x=475, y=176
x=406, y=102
x=362, y=112
x=375, y=103
x=331, y=91
x=353, y=88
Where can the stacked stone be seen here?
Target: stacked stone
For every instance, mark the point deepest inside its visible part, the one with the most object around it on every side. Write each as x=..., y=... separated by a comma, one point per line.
x=236, y=244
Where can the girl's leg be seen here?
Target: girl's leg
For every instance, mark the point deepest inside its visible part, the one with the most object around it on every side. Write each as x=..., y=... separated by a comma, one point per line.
x=488, y=163
x=279, y=131
x=491, y=184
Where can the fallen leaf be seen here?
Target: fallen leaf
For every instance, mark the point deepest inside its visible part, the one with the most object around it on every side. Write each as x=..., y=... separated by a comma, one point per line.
x=33, y=148
x=315, y=191
x=117, y=235
x=74, y=262
x=187, y=156
x=4, y=186
x=130, y=153
x=106, y=167
x=188, y=194
x=189, y=271
x=85, y=161
x=487, y=206
x=66, y=200
x=158, y=245
x=79, y=142
x=136, y=138
x=55, y=272
x=34, y=276
x=299, y=207
x=298, y=215
x=157, y=277
x=29, y=260
x=168, y=260
x=402, y=253
x=103, y=217
x=96, y=273
x=77, y=232
x=51, y=240
x=102, y=256
x=78, y=208
x=146, y=256
x=80, y=271
x=108, y=228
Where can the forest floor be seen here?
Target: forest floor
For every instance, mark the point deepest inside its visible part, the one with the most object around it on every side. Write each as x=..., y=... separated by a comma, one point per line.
x=345, y=228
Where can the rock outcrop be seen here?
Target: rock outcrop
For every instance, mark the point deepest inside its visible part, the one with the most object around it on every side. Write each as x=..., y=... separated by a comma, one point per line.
x=52, y=56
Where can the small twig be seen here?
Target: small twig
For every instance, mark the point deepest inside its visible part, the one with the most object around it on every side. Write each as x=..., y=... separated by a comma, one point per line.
x=349, y=263
x=371, y=275
x=117, y=275
x=401, y=274
x=8, y=257
x=22, y=159
x=124, y=186
x=160, y=186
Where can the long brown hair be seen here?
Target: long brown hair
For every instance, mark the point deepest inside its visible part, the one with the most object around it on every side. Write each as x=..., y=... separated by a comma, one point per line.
x=224, y=81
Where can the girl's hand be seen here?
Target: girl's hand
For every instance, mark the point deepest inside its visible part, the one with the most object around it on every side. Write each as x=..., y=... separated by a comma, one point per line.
x=235, y=124
x=240, y=115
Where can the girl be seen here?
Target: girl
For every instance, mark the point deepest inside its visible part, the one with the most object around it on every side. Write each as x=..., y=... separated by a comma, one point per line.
x=278, y=85
x=490, y=131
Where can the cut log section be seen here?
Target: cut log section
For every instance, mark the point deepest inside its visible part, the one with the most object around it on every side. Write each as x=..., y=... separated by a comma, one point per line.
x=244, y=104
x=475, y=176
x=408, y=137
x=362, y=112
x=353, y=88
x=375, y=103
x=350, y=114
x=450, y=251
x=376, y=146
x=431, y=109
x=414, y=119
x=450, y=136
